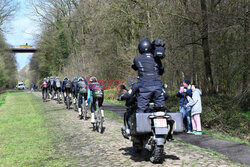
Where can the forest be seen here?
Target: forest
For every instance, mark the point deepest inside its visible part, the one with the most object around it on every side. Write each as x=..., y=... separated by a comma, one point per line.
x=8, y=67
x=207, y=41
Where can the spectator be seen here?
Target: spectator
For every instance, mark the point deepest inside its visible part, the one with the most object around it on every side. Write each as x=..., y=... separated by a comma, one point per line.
x=195, y=103
x=185, y=91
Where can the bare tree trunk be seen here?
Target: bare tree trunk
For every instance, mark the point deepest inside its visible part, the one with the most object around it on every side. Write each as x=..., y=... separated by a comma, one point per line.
x=205, y=46
x=246, y=56
x=194, y=52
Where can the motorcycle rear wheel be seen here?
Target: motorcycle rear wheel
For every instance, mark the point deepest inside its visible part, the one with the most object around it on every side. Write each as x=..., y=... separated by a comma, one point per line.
x=157, y=155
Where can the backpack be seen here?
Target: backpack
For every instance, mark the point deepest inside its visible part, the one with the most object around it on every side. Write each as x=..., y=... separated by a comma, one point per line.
x=68, y=84
x=158, y=49
x=58, y=84
x=97, y=93
x=82, y=87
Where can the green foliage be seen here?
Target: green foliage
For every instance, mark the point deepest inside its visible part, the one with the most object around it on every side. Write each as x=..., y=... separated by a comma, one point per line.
x=8, y=69
x=219, y=113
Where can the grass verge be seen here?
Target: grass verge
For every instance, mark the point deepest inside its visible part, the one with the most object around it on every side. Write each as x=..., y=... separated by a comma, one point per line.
x=3, y=98
x=24, y=139
x=113, y=115
x=120, y=103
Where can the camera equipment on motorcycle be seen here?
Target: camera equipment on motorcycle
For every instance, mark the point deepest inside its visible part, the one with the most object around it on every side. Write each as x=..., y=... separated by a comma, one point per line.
x=158, y=49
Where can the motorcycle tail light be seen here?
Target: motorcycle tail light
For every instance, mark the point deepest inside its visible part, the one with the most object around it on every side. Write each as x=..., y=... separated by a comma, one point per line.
x=159, y=117
x=151, y=117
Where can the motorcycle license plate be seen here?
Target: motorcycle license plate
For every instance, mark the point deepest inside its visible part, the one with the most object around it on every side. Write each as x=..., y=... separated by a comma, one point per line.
x=160, y=123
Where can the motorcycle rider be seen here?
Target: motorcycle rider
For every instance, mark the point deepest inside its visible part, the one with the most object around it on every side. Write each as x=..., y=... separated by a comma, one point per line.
x=44, y=87
x=149, y=82
x=74, y=89
x=97, y=95
x=131, y=103
x=82, y=92
x=66, y=86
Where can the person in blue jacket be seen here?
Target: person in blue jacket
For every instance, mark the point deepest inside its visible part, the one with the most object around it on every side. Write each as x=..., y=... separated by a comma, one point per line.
x=96, y=92
x=183, y=92
x=149, y=81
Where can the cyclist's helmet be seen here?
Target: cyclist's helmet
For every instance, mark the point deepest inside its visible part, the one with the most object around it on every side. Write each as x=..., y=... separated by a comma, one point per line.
x=92, y=79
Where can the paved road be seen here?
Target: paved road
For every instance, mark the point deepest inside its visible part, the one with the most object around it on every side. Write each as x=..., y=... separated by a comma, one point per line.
x=236, y=152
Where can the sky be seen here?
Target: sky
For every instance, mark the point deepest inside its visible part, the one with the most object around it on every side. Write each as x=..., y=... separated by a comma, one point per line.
x=21, y=29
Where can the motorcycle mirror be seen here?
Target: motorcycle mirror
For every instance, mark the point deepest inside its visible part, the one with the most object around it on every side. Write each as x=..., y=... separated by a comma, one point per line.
x=165, y=86
x=123, y=87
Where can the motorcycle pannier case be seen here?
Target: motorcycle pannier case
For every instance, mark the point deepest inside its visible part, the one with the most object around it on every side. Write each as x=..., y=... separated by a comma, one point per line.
x=140, y=123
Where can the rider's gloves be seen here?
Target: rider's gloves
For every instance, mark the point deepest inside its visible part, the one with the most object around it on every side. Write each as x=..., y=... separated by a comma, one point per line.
x=119, y=98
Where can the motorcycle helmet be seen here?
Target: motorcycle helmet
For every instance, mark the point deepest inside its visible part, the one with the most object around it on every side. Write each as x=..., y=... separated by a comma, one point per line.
x=75, y=79
x=66, y=78
x=80, y=79
x=145, y=46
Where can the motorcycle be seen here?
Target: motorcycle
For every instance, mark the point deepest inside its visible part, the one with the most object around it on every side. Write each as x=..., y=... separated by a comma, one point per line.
x=149, y=130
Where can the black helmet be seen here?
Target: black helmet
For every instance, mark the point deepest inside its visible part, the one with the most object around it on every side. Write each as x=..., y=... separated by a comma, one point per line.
x=145, y=46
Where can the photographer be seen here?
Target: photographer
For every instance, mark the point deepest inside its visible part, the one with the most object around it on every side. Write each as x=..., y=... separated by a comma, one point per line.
x=149, y=82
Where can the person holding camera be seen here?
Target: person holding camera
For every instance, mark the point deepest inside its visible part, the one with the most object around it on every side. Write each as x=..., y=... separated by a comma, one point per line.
x=183, y=92
x=149, y=68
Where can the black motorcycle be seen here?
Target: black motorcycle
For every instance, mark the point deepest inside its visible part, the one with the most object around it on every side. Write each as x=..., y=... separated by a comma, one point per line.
x=149, y=130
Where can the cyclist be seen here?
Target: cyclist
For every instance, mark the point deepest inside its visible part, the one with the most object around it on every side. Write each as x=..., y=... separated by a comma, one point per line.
x=51, y=87
x=66, y=88
x=57, y=86
x=82, y=94
x=97, y=96
x=44, y=87
x=74, y=89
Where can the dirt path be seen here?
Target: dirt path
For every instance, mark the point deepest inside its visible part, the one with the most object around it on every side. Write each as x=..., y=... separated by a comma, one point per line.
x=88, y=148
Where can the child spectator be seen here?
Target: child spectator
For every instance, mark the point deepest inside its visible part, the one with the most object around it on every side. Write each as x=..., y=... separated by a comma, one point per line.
x=195, y=103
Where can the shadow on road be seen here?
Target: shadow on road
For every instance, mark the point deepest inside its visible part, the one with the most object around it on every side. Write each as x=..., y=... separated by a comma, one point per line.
x=144, y=155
